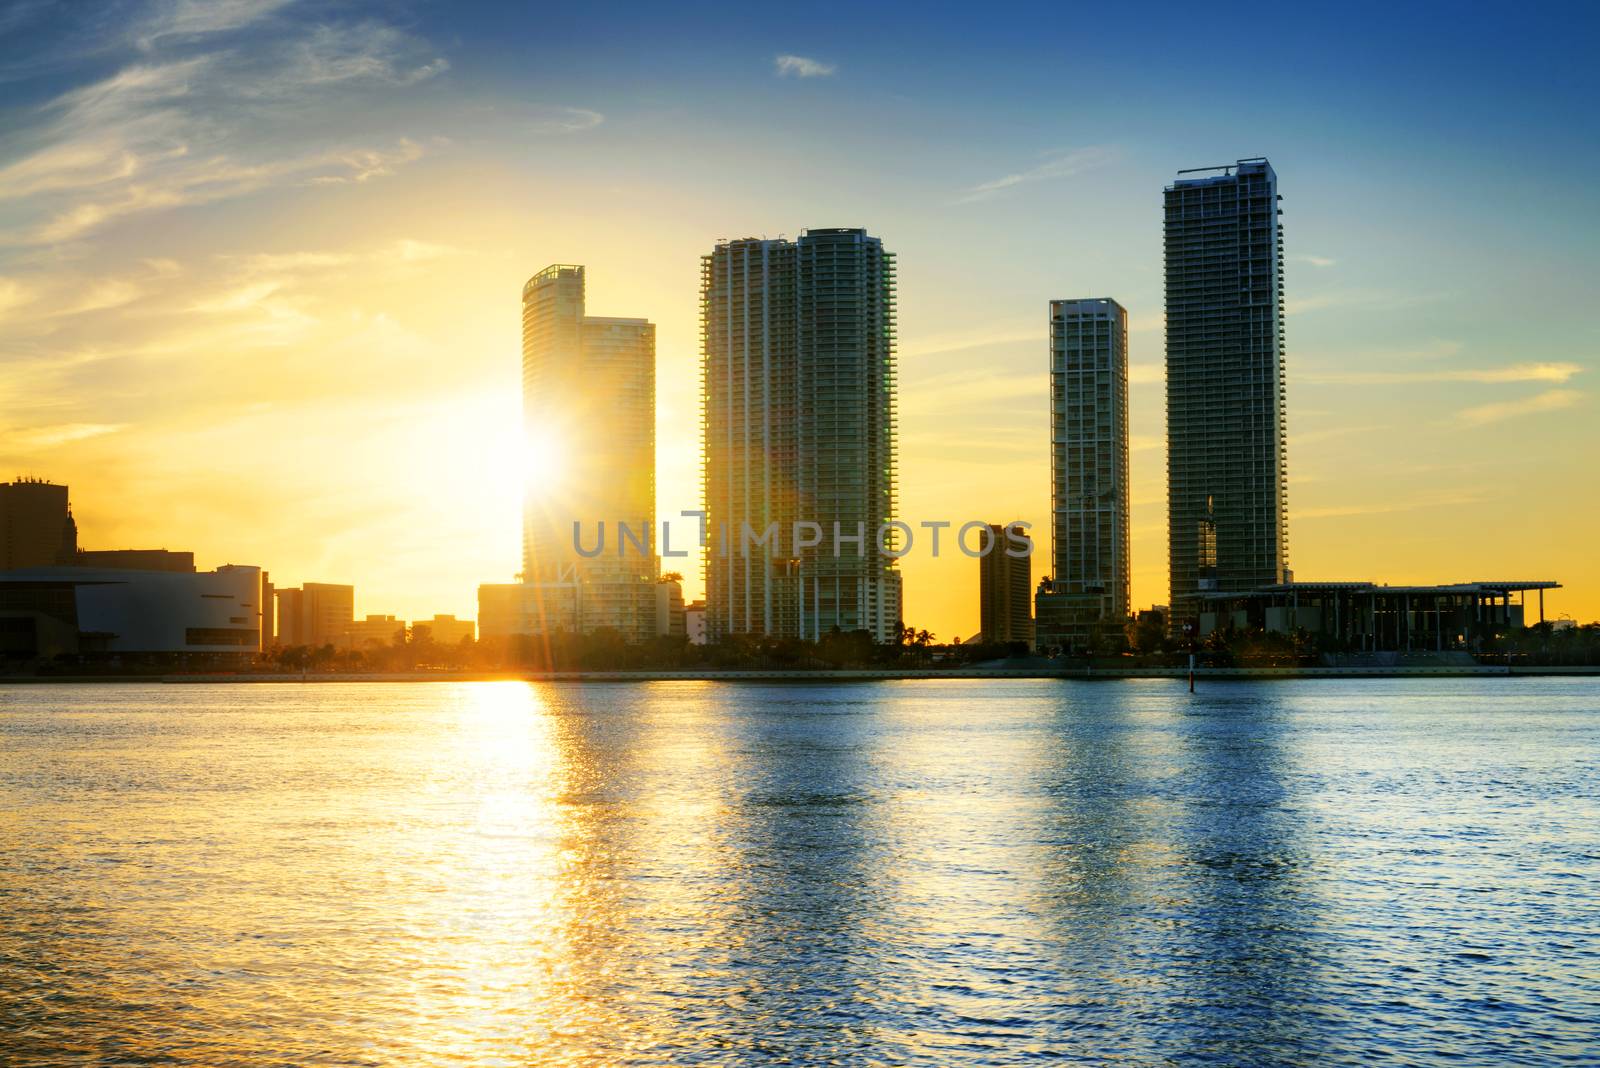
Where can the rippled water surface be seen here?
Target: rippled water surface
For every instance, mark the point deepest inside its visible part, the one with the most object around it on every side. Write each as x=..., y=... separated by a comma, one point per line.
x=941, y=873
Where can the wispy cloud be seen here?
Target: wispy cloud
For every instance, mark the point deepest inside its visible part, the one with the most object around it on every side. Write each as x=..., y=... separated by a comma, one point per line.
x=162, y=133
x=1315, y=261
x=1519, y=372
x=195, y=18
x=1065, y=165
x=1357, y=298
x=1550, y=401
x=49, y=437
x=788, y=66
x=1411, y=504
x=962, y=389
x=559, y=120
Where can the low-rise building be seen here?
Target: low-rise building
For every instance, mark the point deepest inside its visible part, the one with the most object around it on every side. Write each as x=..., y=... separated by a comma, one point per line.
x=373, y=631
x=1368, y=617
x=134, y=614
x=694, y=622
x=136, y=559
x=670, y=622
x=442, y=630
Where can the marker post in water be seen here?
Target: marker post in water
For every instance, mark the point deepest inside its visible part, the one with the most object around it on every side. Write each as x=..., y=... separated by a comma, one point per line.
x=1188, y=630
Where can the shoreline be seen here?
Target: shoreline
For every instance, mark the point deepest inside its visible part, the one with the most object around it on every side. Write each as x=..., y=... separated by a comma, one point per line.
x=841, y=675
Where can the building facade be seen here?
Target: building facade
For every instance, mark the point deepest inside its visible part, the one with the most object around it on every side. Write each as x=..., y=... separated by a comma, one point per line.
x=1084, y=603
x=797, y=345
x=1227, y=474
x=1005, y=587
x=588, y=393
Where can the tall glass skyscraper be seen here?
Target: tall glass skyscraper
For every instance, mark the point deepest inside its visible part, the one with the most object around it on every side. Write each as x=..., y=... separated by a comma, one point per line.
x=1227, y=475
x=798, y=361
x=588, y=394
x=1084, y=603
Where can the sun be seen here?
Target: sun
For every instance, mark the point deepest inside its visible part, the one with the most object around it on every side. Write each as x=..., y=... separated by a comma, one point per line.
x=543, y=463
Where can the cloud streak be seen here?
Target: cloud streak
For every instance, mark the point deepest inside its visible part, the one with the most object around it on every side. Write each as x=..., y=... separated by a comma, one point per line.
x=1549, y=401
x=1519, y=372
x=1066, y=165
x=791, y=66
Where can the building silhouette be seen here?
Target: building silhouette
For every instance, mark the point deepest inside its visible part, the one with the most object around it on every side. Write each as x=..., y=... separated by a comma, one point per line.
x=1005, y=587
x=588, y=392
x=1085, y=601
x=799, y=409
x=36, y=525
x=1227, y=476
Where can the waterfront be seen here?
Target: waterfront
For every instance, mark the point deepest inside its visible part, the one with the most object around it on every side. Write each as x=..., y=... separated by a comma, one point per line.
x=941, y=872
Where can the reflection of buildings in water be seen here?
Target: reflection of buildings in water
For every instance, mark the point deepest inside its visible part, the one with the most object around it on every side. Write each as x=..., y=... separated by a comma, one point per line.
x=1100, y=854
x=1253, y=954
x=1167, y=875
x=792, y=958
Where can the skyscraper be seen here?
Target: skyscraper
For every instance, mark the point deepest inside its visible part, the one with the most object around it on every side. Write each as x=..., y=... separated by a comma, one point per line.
x=798, y=351
x=1227, y=476
x=1086, y=599
x=1005, y=588
x=588, y=393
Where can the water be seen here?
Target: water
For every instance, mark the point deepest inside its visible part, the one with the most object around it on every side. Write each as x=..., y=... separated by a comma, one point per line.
x=941, y=873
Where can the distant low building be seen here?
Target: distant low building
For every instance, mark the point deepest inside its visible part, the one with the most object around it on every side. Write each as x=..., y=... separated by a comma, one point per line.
x=374, y=630
x=316, y=614
x=442, y=630
x=670, y=621
x=517, y=608
x=136, y=559
x=126, y=613
x=1367, y=617
x=694, y=622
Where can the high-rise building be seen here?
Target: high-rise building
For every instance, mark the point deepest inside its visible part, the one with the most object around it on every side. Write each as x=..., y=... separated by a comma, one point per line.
x=1005, y=587
x=1227, y=475
x=36, y=525
x=798, y=363
x=588, y=393
x=1085, y=601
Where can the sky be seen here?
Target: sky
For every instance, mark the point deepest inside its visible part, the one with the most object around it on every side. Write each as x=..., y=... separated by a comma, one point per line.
x=260, y=260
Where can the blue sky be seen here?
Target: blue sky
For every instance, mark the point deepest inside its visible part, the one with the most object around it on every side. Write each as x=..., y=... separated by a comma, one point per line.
x=289, y=236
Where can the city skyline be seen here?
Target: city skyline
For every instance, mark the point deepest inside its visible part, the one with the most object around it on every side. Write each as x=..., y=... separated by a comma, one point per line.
x=325, y=348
